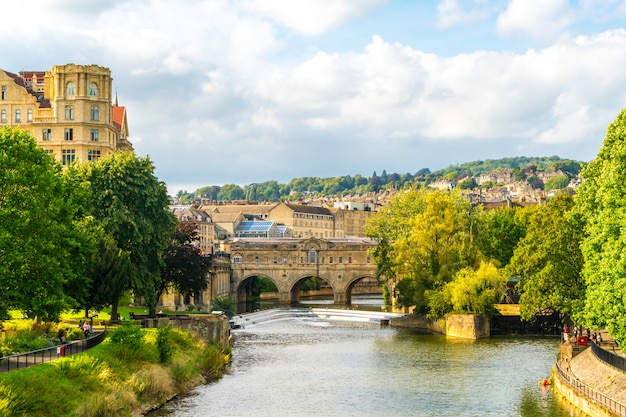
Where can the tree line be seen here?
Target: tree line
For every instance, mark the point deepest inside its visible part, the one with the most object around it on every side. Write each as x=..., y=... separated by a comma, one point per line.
x=524, y=168
x=81, y=237
x=440, y=254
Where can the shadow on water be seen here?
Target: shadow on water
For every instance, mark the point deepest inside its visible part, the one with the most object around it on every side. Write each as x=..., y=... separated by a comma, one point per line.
x=373, y=302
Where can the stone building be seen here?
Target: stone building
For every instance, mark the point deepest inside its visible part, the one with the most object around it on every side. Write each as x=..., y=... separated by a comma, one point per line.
x=69, y=110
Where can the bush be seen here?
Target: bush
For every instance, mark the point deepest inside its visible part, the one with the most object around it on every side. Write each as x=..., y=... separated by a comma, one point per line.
x=128, y=334
x=164, y=344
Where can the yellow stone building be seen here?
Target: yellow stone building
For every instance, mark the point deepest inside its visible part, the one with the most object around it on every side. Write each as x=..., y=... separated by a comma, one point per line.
x=68, y=109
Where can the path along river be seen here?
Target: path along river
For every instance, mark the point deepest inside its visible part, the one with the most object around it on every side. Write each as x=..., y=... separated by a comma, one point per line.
x=314, y=367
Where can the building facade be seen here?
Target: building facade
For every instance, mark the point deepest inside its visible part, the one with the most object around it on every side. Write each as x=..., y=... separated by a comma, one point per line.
x=71, y=114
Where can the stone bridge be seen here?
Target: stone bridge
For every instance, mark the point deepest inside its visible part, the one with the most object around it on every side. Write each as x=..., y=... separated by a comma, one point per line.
x=288, y=262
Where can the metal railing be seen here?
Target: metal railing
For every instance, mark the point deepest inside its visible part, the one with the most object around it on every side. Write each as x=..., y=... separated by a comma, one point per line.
x=36, y=357
x=618, y=362
x=591, y=394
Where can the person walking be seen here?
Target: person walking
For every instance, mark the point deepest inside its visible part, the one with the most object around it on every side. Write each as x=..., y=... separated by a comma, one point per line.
x=566, y=333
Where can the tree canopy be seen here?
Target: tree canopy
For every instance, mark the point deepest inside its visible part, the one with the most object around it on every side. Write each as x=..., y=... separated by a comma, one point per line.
x=43, y=252
x=601, y=200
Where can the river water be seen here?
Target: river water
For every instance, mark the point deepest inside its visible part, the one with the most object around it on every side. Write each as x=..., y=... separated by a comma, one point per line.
x=312, y=367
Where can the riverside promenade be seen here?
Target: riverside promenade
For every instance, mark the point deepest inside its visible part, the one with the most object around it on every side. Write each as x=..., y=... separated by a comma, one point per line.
x=590, y=383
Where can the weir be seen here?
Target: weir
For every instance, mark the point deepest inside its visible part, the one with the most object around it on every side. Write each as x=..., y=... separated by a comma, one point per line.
x=242, y=320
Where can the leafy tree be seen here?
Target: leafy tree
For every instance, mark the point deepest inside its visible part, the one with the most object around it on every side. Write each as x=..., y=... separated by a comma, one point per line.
x=467, y=184
x=471, y=292
x=500, y=231
x=556, y=183
x=548, y=261
x=535, y=182
x=131, y=207
x=601, y=199
x=424, y=237
x=231, y=192
x=184, y=269
x=43, y=251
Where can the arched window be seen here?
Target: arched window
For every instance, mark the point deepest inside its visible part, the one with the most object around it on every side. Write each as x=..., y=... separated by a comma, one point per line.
x=70, y=89
x=93, y=90
x=312, y=256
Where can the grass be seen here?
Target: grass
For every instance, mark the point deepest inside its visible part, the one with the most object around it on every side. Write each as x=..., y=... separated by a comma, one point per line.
x=111, y=379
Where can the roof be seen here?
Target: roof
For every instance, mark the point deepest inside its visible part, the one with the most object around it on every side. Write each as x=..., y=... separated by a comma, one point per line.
x=118, y=116
x=254, y=226
x=300, y=208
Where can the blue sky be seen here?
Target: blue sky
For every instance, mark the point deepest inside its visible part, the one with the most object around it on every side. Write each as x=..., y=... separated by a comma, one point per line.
x=253, y=90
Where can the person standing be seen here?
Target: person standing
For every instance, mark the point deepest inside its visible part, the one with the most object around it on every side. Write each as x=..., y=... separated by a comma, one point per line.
x=566, y=333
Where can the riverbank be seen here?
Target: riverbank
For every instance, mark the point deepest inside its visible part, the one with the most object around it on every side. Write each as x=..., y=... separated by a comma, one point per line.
x=129, y=374
x=589, y=383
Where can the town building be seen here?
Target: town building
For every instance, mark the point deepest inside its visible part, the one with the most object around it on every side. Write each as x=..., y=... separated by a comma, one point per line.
x=68, y=109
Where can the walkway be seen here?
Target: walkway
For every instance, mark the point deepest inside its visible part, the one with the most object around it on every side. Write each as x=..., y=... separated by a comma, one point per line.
x=28, y=359
x=595, y=373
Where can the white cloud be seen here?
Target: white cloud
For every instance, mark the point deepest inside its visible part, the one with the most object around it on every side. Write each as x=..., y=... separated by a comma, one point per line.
x=311, y=17
x=541, y=19
x=451, y=13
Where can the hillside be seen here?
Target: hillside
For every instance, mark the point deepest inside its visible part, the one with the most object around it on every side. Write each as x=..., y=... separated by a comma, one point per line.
x=306, y=187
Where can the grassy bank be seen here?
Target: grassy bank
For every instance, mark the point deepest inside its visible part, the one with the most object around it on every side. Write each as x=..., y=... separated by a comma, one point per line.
x=133, y=371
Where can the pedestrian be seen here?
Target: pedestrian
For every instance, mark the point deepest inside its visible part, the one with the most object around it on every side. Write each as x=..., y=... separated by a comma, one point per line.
x=575, y=332
x=86, y=328
x=566, y=333
x=599, y=339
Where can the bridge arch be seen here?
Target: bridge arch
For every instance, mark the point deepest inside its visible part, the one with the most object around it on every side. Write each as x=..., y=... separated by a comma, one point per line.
x=296, y=286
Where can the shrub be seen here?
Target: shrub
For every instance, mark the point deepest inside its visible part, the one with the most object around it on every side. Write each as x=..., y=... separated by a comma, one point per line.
x=128, y=334
x=164, y=344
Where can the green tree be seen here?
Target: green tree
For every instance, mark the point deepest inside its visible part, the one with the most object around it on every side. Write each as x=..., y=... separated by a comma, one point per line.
x=185, y=269
x=231, y=192
x=424, y=238
x=601, y=199
x=131, y=207
x=43, y=251
x=548, y=261
x=556, y=183
x=500, y=231
x=471, y=292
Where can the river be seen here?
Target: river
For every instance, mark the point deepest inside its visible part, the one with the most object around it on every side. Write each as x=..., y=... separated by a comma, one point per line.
x=313, y=367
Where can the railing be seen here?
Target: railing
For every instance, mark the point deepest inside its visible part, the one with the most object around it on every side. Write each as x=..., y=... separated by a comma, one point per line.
x=36, y=357
x=591, y=394
x=609, y=358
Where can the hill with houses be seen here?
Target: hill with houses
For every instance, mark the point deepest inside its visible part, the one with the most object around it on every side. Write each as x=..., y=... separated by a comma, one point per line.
x=525, y=179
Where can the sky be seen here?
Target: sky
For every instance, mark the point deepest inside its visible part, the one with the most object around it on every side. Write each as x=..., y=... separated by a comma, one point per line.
x=237, y=92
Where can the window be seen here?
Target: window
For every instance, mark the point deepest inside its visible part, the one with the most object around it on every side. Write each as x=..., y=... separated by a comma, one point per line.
x=349, y=259
x=4, y=92
x=69, y=112
x=18, y=116
x=275, y=259
x=49, y=151
x=95, y=113
x=341, y=259
x=69, y=134
x=237, y=259
x=93, y=154
x=70, y=89
x=93, y=90
x=46, y=134
x=3, y=116
x=284, y=259
x=29, y=116
x=312, y=255
x=68, y=156
x=369, y=260
x=93, y=135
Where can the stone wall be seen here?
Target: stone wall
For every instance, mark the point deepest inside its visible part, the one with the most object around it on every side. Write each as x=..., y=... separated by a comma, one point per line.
x=211, y=328
x=466, y=326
